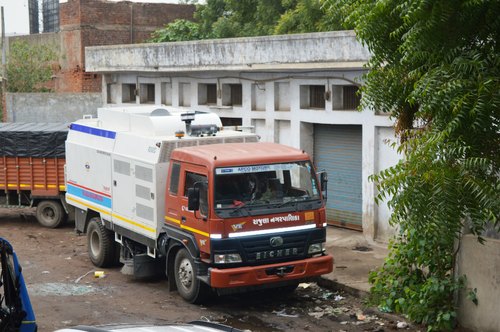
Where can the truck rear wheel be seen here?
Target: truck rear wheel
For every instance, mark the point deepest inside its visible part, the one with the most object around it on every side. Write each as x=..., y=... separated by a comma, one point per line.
x=50, y=214
x=190, y=288
x=101, y=244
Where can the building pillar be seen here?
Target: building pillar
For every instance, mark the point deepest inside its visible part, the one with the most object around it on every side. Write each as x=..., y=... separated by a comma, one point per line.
x=368, y=187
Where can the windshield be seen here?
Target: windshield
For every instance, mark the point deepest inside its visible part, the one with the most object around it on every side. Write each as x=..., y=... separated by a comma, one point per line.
x=267, y=186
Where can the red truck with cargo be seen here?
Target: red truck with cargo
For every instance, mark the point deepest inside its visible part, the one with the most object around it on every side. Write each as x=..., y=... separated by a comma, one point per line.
x=32, y=163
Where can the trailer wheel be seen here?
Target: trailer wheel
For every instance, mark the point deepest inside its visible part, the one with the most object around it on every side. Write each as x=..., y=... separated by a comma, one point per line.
x=100, y=243
x=50, y=214
x=190, y=288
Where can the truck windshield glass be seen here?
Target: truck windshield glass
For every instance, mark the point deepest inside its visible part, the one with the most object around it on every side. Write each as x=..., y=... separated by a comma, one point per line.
x=264, y=186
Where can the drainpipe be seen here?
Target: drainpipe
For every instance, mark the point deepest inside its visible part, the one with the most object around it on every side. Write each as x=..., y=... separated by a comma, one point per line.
x=131, y=23
x=4, y=82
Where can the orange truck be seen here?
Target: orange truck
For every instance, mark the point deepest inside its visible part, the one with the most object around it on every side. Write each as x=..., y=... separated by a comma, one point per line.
x=32, y=169
x=165, y=190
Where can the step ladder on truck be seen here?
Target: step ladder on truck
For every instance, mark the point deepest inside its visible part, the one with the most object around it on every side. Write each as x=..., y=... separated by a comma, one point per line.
x=165, y=190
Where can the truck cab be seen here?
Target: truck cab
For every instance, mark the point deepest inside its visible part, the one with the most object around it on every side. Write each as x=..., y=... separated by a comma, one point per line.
x=253, y=214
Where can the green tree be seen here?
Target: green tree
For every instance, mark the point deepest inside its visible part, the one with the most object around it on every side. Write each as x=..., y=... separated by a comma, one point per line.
x=239, y=18
x=245, y=18
x=179, y=30
x=29, y=67
x=306, y=16
x=435, y=69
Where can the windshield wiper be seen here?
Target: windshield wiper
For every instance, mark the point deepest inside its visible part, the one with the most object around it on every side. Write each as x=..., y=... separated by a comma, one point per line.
x=239, y=208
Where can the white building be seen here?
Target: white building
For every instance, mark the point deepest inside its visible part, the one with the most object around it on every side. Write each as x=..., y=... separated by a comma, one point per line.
x=298, y=90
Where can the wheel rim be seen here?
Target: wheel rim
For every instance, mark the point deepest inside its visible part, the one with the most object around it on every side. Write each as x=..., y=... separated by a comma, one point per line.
x=95, y=245
x=185, y=273
x=48, y=214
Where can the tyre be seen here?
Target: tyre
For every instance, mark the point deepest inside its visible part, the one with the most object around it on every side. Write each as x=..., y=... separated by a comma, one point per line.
x=50, y=214
x=101, y=244
x=190, y=288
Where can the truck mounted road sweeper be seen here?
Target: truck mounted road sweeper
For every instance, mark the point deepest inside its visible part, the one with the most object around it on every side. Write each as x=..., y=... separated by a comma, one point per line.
x=166, y=190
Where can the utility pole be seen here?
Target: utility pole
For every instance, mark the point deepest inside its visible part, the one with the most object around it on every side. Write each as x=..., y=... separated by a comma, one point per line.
x=4, y=82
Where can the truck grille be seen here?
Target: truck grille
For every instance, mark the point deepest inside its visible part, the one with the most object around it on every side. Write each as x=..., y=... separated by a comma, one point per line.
x=260, y=249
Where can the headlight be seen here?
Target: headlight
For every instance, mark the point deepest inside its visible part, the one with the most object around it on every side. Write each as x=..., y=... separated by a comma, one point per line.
x=227, y=258
x=315, y=248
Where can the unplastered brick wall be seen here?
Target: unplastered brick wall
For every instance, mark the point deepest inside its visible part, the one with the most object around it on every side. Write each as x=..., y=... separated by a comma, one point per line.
x=78, y=80
x=100, y=22
x=123, y=22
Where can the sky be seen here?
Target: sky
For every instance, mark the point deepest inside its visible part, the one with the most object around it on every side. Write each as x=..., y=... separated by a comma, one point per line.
x=16, y=14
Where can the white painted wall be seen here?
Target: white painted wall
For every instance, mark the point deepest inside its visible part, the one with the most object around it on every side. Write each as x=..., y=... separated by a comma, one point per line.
x=274, y=72
x=480, y=263
x=386, y=156
x=272, y=105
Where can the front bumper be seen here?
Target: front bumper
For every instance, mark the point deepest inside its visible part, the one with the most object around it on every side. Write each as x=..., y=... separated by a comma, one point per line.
x=264, y=274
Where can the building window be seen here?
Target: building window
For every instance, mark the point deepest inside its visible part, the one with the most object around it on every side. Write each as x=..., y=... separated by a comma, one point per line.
x=351, y=97
x=282, y=96
x=109, y=88
x=207, y=94
x=166, y=94
x=345, y=97
x=231, y=122
x=312, y=96
x=232, y=95
x=147, y=93
x=185, y=94
x=128, y=93
x=258, y=97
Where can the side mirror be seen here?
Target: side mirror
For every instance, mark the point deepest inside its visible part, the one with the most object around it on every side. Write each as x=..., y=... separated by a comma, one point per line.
x=194, y=199
x=323, y=180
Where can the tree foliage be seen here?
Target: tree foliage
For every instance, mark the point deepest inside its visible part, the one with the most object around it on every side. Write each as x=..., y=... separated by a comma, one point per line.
x=435, y=69
x=306, y=16
x=245, y=18
x=179, y=30
x=29, y=67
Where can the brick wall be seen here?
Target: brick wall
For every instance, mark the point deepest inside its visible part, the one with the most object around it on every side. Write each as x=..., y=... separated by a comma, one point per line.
x=100, y=22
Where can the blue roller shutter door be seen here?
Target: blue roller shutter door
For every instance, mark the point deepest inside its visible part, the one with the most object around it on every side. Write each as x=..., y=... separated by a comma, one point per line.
x=337, y=149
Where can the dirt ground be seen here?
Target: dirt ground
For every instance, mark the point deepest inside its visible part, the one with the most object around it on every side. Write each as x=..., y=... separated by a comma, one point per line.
x=64, y=292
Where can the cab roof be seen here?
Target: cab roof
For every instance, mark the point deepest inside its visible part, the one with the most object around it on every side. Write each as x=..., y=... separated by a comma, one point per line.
x=232, y=154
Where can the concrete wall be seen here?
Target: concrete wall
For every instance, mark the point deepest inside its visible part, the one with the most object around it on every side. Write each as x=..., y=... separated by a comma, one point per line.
x=386, y=156
x=481, y=265
x=51, y=107
x=52, y=40
x=337, y=49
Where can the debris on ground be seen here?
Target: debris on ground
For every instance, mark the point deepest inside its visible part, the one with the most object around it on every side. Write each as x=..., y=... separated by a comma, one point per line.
x=402, y=325
x=360, y=316
x=362, y=248
x=338, y=298
x=282, y=313
x=77, y=280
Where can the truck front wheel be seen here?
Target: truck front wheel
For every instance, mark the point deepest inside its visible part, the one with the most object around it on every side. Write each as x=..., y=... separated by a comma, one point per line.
x=190, y=288
x=101, y=244
x=50, y=214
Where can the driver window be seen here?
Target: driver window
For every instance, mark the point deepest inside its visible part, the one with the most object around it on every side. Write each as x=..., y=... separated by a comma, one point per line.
x=190, y=179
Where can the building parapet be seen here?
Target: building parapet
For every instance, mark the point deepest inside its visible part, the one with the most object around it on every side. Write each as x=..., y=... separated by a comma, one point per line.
x=335, y=50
